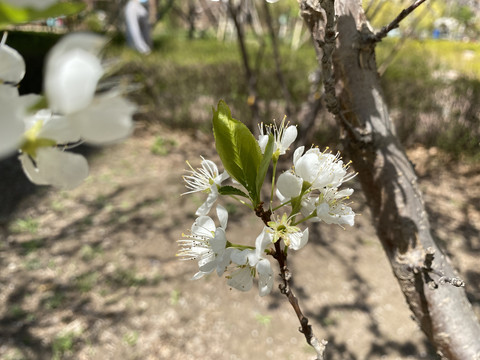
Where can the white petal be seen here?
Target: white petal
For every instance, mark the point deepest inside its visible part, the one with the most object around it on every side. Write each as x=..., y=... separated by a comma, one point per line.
x=308, y=167
x=198, y=275
x=347, y=216
x=90, y=42
x=289, y=137
x=219, y=242
x=241, y=279
x=203, y=226
x=12, y=65
x=262, y=142
x=322, y=210
x=297, y=154
x=223, y=261
x=55, y=127
x=71, y=80
x=240, y=257
x=106, y=119
x=262, y=242
x=222, y=214
x=11, y=125
x=289, y=185
x=308, y=205
x=265, y=277
x=207, y=265
x=54, y=167
x=204, y=209
x=343, y=193
x=280, y=197
x=299, y=240
x=221, y=178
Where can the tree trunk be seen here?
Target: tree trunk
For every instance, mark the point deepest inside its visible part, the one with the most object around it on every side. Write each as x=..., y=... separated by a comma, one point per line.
x=390, y=186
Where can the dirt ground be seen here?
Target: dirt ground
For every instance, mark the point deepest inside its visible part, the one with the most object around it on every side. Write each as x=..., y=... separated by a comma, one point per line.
x=92, y=273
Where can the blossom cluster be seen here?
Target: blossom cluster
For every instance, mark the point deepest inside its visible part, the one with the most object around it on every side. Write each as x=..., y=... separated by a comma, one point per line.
x=74, y=113
x=310, y=190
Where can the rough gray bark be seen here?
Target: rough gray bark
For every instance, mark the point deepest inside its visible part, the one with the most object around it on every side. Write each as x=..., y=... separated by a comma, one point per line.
x=390, y=184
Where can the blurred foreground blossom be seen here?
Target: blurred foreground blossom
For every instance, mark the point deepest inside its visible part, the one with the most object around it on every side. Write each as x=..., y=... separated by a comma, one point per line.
x=75, y=114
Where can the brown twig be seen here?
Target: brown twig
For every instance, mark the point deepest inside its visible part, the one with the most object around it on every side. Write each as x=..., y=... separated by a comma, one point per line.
x=305, y=327
x=281, y=256
x=378, y=36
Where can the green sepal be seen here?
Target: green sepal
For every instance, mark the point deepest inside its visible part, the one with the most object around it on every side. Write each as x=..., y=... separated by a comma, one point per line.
x=265, y=163
x=10, y=14
x=238, y=149
x=230, y=190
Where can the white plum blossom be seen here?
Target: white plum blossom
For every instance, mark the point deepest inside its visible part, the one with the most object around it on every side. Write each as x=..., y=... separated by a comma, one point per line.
x=207, y=243
x=320, y=169
x=206, y=179
x=318, y=173
x=284, y=136
x=330, y=207
x=250, y=262
x=281, y=228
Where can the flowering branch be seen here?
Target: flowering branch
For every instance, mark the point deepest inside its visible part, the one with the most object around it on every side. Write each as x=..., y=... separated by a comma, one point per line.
x=310, y=189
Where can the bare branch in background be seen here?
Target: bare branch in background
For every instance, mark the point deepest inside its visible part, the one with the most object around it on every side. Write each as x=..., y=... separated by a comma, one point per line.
x=249, y=74
x=276, y=55
x=399, y=44
x=395, y=23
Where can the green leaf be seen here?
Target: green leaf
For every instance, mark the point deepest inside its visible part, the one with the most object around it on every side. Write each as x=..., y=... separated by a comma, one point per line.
x=263, y=168
x=230, y=190
x=10, y=14
x=238, y=149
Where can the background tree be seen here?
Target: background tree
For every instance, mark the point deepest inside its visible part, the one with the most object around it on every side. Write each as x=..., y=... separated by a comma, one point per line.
x=387, y=177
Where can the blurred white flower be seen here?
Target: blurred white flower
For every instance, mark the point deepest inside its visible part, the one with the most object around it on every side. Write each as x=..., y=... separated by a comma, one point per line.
x=13, y=106
x=72, y=72
x=76, y=114
x=205, y=179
